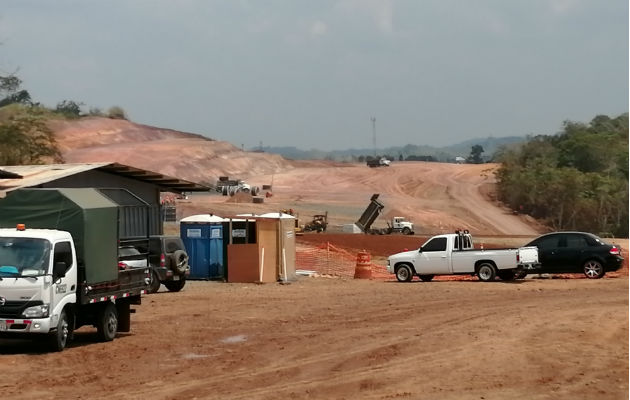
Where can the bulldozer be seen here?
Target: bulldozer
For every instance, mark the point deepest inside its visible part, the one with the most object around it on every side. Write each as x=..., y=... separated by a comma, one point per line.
x=318, y=224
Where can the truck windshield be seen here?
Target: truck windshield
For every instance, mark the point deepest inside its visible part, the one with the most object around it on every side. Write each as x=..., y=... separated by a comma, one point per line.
x=23, y=257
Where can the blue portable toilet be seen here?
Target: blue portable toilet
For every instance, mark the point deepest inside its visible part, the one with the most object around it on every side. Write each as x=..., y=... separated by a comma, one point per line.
x=203, y=237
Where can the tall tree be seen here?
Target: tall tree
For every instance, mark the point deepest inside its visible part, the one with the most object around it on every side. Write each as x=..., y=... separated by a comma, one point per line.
x=475, y=154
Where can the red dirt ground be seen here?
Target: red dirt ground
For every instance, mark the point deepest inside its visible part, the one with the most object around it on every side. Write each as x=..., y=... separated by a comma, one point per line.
x=333, y=338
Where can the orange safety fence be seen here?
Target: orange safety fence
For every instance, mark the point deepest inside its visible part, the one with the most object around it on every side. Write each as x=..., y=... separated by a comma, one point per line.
x=327, y=259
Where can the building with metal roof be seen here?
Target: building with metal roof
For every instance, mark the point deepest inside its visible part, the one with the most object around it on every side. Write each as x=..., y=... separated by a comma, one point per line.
x=146, y=185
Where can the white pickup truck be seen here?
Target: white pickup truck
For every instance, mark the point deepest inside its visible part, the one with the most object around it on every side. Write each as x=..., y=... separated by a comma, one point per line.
x=454, y=254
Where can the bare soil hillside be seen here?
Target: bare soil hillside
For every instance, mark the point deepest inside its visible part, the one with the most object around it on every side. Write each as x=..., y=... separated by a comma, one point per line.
x=184, y=155
x=437, y=197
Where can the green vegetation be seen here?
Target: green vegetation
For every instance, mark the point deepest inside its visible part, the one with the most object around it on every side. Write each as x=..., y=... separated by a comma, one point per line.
x=475, y=155
x=24, y=135
x=575, y=180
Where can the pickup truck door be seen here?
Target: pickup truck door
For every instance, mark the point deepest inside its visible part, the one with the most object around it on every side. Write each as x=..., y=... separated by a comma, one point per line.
x=432, y=258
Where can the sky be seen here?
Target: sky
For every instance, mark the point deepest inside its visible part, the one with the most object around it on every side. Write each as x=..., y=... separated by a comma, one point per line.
x=314, y=74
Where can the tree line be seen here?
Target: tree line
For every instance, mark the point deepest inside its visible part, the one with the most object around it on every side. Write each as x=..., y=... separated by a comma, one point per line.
x=574, y=180
x=24, y=134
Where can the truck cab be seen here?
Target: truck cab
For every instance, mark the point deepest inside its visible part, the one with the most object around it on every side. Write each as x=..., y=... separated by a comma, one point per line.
x=400, y=224
x=37, y=278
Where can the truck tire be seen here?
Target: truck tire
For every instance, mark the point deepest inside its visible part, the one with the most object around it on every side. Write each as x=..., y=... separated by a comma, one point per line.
x=406, y=231
x=426, y=278
x=124, y=316
x=107, y=324
x=520, y=274
x=175, y=286
x=404, y=273
x=593, y=269
x=59, y=339
x=486, y=272
x=154, y=285
x=179, y=259
x=506, y=275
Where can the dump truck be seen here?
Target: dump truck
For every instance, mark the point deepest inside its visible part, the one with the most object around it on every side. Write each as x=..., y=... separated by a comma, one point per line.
x=61, y=265
x=373, y=210
x=378, y=162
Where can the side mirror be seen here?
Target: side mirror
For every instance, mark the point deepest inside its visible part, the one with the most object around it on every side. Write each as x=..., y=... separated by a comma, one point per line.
x=59, y=270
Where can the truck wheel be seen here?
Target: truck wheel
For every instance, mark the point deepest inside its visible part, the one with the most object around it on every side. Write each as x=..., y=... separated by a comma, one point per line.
x=593, y=269
x=506, y=275
x=486, y=272
x=59, y=339
x=426, y=278
x=406, y=231
x=180, y=261
x=175, y=286
x=107, y=324
x=521, y=274
x=154, y=285
x=404, y=273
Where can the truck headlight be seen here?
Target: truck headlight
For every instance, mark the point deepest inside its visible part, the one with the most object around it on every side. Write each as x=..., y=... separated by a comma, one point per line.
x=40, y=311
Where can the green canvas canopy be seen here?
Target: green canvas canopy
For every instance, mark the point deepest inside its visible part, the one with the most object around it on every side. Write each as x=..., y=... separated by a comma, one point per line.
x=90, y=217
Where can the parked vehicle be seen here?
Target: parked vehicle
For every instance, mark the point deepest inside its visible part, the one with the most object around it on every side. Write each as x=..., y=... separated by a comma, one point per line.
x=372, y=211
x=131, y=257
x=567, y=252
x=380, y=162
x=454, y=254
x=169, y=263
x=400, y=225
x=230, y=187
x=59, y=264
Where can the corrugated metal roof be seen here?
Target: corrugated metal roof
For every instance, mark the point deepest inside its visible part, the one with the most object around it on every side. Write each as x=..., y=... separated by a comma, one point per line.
x=19, y=176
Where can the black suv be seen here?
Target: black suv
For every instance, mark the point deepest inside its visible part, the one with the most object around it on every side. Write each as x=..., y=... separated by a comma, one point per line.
x=562, y=252
x=169, y=263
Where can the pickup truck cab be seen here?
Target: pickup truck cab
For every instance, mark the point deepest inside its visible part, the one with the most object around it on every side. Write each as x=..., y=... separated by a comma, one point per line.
x=454, y=254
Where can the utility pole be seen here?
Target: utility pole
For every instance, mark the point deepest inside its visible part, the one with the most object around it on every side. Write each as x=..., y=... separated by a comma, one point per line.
x=374, y=134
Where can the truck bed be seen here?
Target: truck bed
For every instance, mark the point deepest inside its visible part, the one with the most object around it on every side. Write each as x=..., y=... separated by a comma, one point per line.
x=130, y=282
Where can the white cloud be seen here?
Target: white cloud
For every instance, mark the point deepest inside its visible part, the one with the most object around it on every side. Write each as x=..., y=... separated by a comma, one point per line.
x=381, y=11
x=563, y=6
x=319, y=28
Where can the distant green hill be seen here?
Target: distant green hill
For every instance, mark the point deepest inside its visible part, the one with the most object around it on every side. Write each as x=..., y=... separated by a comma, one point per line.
x=447, y=153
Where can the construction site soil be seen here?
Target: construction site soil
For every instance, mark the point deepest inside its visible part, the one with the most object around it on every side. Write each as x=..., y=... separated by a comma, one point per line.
x=331, y=337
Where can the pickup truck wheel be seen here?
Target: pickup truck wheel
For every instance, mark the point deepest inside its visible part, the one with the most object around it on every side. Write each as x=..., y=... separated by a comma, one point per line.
x=406, y=231
x=593, y=269
x=180, y=261
x=154, y=285
x=486, y=272
x=404, y=273
x=59, y=339
x=508, y=275
x=107, y=325
x=520, y=275
x=426, y=278
x=175, y=286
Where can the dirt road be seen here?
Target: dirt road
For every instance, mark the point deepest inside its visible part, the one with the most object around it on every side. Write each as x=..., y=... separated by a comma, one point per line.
x=321, y=338
x=437, y=197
